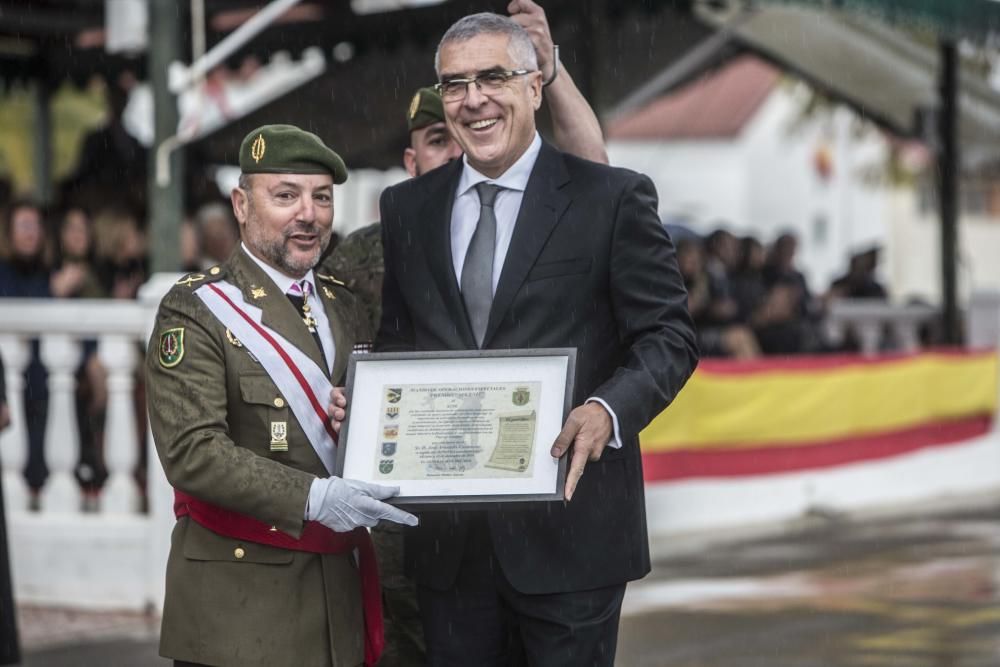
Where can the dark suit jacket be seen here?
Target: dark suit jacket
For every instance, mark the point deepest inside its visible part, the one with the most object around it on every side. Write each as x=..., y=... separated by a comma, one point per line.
x=591, y=267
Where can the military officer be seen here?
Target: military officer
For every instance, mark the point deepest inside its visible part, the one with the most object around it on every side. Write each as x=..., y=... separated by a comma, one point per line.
x=239, y=371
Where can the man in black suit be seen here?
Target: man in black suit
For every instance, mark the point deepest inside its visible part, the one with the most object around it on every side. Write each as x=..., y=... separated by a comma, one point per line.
x=519, y=246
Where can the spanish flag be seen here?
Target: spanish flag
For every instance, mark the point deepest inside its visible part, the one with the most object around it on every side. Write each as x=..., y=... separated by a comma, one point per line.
x=781, y=415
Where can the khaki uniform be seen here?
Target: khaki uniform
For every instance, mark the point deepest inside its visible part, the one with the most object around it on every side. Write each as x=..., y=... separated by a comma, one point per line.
x=357, y=260
x=211, y=407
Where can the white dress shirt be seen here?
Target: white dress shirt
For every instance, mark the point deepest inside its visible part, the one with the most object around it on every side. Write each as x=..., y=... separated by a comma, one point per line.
x=318, y=311
x=465, y=217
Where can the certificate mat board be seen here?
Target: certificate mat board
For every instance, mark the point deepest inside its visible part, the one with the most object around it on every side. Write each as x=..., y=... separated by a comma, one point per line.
x=458, y=427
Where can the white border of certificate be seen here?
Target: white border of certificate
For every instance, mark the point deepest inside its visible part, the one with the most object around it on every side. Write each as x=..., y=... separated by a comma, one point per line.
x=369, y=374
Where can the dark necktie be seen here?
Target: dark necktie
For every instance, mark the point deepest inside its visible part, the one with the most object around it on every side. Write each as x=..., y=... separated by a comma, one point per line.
x=477, y=271
x=301, y=302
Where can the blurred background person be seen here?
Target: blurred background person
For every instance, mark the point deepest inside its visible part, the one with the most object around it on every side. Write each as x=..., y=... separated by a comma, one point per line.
x=24, y=273
x=217, y=232
x=74, y=277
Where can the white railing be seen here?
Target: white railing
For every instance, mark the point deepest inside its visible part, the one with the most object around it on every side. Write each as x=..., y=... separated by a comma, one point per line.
x=115, y=555
x=109, y=553
x=873, y=320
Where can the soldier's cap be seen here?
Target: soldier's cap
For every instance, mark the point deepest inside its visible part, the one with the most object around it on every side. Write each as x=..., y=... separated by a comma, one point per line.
x=286, y=149
x=425, y=109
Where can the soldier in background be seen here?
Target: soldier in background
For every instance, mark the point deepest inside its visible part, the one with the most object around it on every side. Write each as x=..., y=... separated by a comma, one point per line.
x=357, y=260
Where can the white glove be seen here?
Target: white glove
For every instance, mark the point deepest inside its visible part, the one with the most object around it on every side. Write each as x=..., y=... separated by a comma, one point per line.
x=345, y=504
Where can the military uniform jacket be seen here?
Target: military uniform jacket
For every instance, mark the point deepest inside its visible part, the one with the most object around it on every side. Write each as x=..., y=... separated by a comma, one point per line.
x=211, y=406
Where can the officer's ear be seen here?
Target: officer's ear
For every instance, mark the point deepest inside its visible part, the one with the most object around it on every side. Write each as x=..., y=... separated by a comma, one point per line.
x=240, y=199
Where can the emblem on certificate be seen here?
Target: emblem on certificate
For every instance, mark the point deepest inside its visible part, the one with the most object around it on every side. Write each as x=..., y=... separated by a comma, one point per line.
x=388, y=448
x=394, y=394
x=390, y=431
x=521, y=396
x=279, y=436
x=392, y=412
x=385, y=466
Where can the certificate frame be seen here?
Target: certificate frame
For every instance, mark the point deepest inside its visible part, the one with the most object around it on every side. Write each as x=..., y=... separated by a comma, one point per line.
x=546, y=377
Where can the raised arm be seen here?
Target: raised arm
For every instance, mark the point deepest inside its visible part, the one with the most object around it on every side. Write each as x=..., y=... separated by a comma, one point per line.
x=575, y=125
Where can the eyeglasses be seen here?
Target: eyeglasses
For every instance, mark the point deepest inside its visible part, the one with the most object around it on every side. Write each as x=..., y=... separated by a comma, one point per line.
x=487, y=83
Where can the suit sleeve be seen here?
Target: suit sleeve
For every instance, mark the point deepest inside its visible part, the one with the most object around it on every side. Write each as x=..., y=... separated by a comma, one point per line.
x=395, y=333
x=188, y=417
x=650, y=306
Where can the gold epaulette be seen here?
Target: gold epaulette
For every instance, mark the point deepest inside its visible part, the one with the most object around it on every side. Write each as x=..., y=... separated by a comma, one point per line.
x=194, y=279
x=330, y=279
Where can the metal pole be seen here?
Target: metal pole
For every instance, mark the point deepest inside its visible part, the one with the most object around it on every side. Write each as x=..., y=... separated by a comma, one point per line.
x=166, y=204
x=948, y=193
x=43, y=141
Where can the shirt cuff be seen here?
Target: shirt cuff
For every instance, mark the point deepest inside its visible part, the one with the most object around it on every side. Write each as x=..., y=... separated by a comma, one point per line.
x=616, y=440
x=315, y=499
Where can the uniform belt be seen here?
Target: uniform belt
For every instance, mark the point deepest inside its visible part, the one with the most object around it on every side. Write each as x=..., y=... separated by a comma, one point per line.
x=316, y=538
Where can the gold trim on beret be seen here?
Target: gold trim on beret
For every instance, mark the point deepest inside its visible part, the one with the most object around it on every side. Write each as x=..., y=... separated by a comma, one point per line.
x=425, y=109
x=286, y=149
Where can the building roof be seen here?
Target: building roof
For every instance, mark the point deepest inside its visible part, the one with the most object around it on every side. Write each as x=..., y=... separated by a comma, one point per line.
x=716, y=106
x=885, y=74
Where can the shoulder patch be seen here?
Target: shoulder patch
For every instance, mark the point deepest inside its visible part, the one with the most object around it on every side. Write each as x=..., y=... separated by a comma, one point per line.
x=171, y=347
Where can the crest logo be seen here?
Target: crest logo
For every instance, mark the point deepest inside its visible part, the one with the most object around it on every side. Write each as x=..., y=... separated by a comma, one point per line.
x=385, y=466
x=390, y=431
x=521, y=396
x=388, y=448
x=171, y=347
x=394, y=394
x=279, y=436
x=257, y=148
x=392, y=411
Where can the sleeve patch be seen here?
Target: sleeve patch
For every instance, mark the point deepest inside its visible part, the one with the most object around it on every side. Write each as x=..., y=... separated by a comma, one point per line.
x=171, y=347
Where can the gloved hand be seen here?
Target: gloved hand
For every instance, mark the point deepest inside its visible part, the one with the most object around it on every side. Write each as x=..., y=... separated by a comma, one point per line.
x=345, y=504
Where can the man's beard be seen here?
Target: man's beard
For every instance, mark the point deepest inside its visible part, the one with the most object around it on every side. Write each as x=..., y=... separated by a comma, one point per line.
x=275, y=251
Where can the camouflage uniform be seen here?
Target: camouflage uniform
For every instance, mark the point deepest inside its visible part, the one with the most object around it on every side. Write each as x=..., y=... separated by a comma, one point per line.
x=357, y=261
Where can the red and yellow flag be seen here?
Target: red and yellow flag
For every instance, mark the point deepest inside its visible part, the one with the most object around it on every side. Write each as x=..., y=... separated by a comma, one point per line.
x=782, y=415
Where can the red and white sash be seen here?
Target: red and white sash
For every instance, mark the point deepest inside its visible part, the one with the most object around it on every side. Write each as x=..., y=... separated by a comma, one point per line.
x=299, y=379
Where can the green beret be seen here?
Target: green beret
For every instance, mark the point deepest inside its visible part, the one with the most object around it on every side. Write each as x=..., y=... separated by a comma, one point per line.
x=425, y=109
x=286, y=149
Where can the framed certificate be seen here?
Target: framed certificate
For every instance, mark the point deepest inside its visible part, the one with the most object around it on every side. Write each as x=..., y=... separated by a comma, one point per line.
x=460, y=428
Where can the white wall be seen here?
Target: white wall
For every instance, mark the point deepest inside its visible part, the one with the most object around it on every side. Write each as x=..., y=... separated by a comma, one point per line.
x=914, y=254
x=764, y=182
x=702, y=181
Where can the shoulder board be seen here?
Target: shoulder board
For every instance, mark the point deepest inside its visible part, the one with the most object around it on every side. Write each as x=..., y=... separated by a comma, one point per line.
x=330, y=279
x=198, y=278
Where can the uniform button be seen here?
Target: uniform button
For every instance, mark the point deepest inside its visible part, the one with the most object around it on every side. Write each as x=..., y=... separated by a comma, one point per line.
x=239, y=553
x=214, y=270
x=279, y=402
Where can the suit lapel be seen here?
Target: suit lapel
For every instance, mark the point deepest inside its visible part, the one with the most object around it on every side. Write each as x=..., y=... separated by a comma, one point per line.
x=541, y=207
x=436, y=215
x=278, y=313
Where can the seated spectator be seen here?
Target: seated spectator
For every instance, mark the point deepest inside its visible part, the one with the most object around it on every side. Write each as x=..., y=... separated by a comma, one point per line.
x=24, y=273
x=787, y=322
x=74, y=277
x=120, y=253
x=728, y=340
x=860, y=281
x=747, y=282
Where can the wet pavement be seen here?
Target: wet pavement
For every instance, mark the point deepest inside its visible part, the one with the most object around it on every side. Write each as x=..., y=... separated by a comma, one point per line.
x=903, y=592
x=898, y=592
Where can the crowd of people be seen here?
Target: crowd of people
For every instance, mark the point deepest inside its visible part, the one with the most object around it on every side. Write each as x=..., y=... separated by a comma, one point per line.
x=749, y=299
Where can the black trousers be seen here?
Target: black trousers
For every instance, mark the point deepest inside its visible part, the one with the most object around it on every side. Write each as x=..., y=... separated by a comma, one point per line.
x=484, y=621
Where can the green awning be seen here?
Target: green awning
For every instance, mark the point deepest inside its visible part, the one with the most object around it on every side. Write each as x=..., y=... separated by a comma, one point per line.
x=958, y=19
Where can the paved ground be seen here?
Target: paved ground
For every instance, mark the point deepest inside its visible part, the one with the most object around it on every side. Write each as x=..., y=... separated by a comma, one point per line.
x=914, y=592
